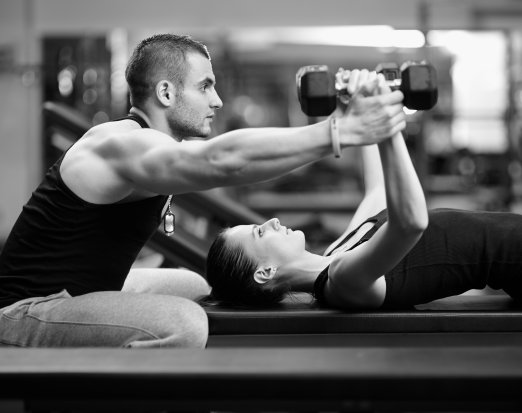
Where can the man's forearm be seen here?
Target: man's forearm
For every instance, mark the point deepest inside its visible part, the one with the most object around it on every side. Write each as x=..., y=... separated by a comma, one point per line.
x=257, y=154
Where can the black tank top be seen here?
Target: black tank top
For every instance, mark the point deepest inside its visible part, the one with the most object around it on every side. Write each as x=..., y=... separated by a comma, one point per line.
x=63, y=242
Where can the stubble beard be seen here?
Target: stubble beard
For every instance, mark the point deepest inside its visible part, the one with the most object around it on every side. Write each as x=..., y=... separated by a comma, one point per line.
x=184, y=130
x=181, y=125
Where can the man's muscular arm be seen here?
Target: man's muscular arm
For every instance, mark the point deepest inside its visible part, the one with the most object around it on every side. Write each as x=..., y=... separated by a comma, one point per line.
x=246, y=155
x=151, y=161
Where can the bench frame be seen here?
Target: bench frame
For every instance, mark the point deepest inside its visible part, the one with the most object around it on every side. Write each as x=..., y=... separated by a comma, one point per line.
x=299, y=379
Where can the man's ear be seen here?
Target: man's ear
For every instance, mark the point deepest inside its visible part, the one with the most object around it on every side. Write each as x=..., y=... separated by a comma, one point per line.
x=264, y=274
x=165, y=93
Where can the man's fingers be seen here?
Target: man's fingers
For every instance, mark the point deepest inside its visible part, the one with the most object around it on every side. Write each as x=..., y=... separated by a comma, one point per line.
x=397, y=109
x=397, y=123
x=392, y=98
x=398, y=117
x=398, y=128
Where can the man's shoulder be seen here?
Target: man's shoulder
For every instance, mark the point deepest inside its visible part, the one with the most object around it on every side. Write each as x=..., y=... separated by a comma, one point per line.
x=117, y=126
x=108, y=133
x=88, y=167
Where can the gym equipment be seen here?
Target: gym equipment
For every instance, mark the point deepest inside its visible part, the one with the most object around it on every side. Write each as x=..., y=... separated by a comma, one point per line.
x=438, y=378
x=318, y=93
x=299, y=321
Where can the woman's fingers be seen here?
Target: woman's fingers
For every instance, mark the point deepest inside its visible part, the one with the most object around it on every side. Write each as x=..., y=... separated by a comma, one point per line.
x=353, y=82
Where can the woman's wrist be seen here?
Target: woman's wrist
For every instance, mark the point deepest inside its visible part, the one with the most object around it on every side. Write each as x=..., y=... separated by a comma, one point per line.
x=334, y=136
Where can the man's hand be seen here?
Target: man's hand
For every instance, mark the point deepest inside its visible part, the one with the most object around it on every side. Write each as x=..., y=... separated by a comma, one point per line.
x=373, y=113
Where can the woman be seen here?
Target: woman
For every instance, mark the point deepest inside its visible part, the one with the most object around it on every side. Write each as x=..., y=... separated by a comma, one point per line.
x=388, y=257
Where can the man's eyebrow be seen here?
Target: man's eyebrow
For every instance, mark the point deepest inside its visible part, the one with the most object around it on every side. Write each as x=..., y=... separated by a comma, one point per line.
x=208, y=80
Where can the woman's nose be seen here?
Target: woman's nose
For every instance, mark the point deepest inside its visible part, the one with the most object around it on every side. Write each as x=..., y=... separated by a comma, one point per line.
x=274, y=223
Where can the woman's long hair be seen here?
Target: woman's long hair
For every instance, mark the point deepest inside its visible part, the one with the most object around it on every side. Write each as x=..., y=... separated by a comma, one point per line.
x=230, y=273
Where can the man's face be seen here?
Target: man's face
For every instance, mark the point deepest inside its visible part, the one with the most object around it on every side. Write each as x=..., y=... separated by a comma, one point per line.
x=197, y=102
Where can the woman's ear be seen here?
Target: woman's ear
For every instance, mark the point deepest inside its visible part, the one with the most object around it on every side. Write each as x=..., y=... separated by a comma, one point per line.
x=264, y=274
x=165, y=93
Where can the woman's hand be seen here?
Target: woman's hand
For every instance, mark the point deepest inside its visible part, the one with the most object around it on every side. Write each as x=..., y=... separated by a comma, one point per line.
x=369, y=112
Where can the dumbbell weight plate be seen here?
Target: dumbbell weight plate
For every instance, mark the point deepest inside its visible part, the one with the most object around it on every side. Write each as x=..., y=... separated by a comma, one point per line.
x=419, y=85
x=316, y=90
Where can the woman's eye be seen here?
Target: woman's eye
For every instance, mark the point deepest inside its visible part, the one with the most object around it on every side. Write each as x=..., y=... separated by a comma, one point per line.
x=259, y=231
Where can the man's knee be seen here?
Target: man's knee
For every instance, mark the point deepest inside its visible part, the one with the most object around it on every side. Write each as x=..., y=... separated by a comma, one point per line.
x=167, y=281
x=195, y=326
x=178, y=322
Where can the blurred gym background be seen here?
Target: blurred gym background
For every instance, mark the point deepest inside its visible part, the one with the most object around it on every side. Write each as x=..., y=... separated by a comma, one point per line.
x=466, y=150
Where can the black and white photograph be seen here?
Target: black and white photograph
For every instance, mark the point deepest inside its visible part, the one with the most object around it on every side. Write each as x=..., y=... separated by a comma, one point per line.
x=260, y=206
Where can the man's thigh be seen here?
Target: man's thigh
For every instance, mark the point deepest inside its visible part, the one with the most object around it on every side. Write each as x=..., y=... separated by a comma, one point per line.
x=108, y=318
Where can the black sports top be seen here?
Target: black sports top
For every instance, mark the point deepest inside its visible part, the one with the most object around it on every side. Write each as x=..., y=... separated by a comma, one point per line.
x=63, y=242
x=322, y=278
x=459, y=251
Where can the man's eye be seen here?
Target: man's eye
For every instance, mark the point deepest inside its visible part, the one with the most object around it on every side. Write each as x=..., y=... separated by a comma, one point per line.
x=259, y=231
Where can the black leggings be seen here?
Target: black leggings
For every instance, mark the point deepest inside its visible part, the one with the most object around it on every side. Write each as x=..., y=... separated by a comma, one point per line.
x=459, y=251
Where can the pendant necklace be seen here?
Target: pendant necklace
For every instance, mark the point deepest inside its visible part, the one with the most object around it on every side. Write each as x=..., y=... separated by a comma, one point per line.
x=169, y=219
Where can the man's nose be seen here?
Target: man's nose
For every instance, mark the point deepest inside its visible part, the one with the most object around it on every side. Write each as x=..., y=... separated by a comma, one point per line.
x=216, y=101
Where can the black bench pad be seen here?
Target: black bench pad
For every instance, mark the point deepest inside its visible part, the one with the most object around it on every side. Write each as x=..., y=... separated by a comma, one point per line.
x=301, y=315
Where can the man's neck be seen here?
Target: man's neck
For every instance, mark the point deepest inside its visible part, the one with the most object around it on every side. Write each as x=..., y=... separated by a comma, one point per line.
x=155, y=121
x=141, y=114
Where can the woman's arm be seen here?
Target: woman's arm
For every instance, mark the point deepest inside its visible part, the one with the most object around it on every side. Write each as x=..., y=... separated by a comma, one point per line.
x=374, y=197
x=355, y=276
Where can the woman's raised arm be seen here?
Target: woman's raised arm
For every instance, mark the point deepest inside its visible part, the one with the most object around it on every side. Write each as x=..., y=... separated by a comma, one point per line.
x=355, y=276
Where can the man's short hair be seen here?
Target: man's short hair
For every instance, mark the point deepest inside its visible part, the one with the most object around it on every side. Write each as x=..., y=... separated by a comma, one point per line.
x=161, y=56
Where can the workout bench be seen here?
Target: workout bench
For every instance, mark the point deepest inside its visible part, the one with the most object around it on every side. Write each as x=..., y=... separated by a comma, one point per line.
x=466, y=320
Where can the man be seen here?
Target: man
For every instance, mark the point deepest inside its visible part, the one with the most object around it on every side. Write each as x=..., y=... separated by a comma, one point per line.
x=65, y=262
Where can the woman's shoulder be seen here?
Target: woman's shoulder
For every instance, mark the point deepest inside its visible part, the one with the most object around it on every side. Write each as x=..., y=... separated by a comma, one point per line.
x=330, y=291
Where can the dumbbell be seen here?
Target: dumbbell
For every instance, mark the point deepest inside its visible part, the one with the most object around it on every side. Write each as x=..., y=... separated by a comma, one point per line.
x=318, y=95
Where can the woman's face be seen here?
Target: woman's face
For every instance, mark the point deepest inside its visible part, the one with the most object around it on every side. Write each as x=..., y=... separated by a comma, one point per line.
x=269, y=243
